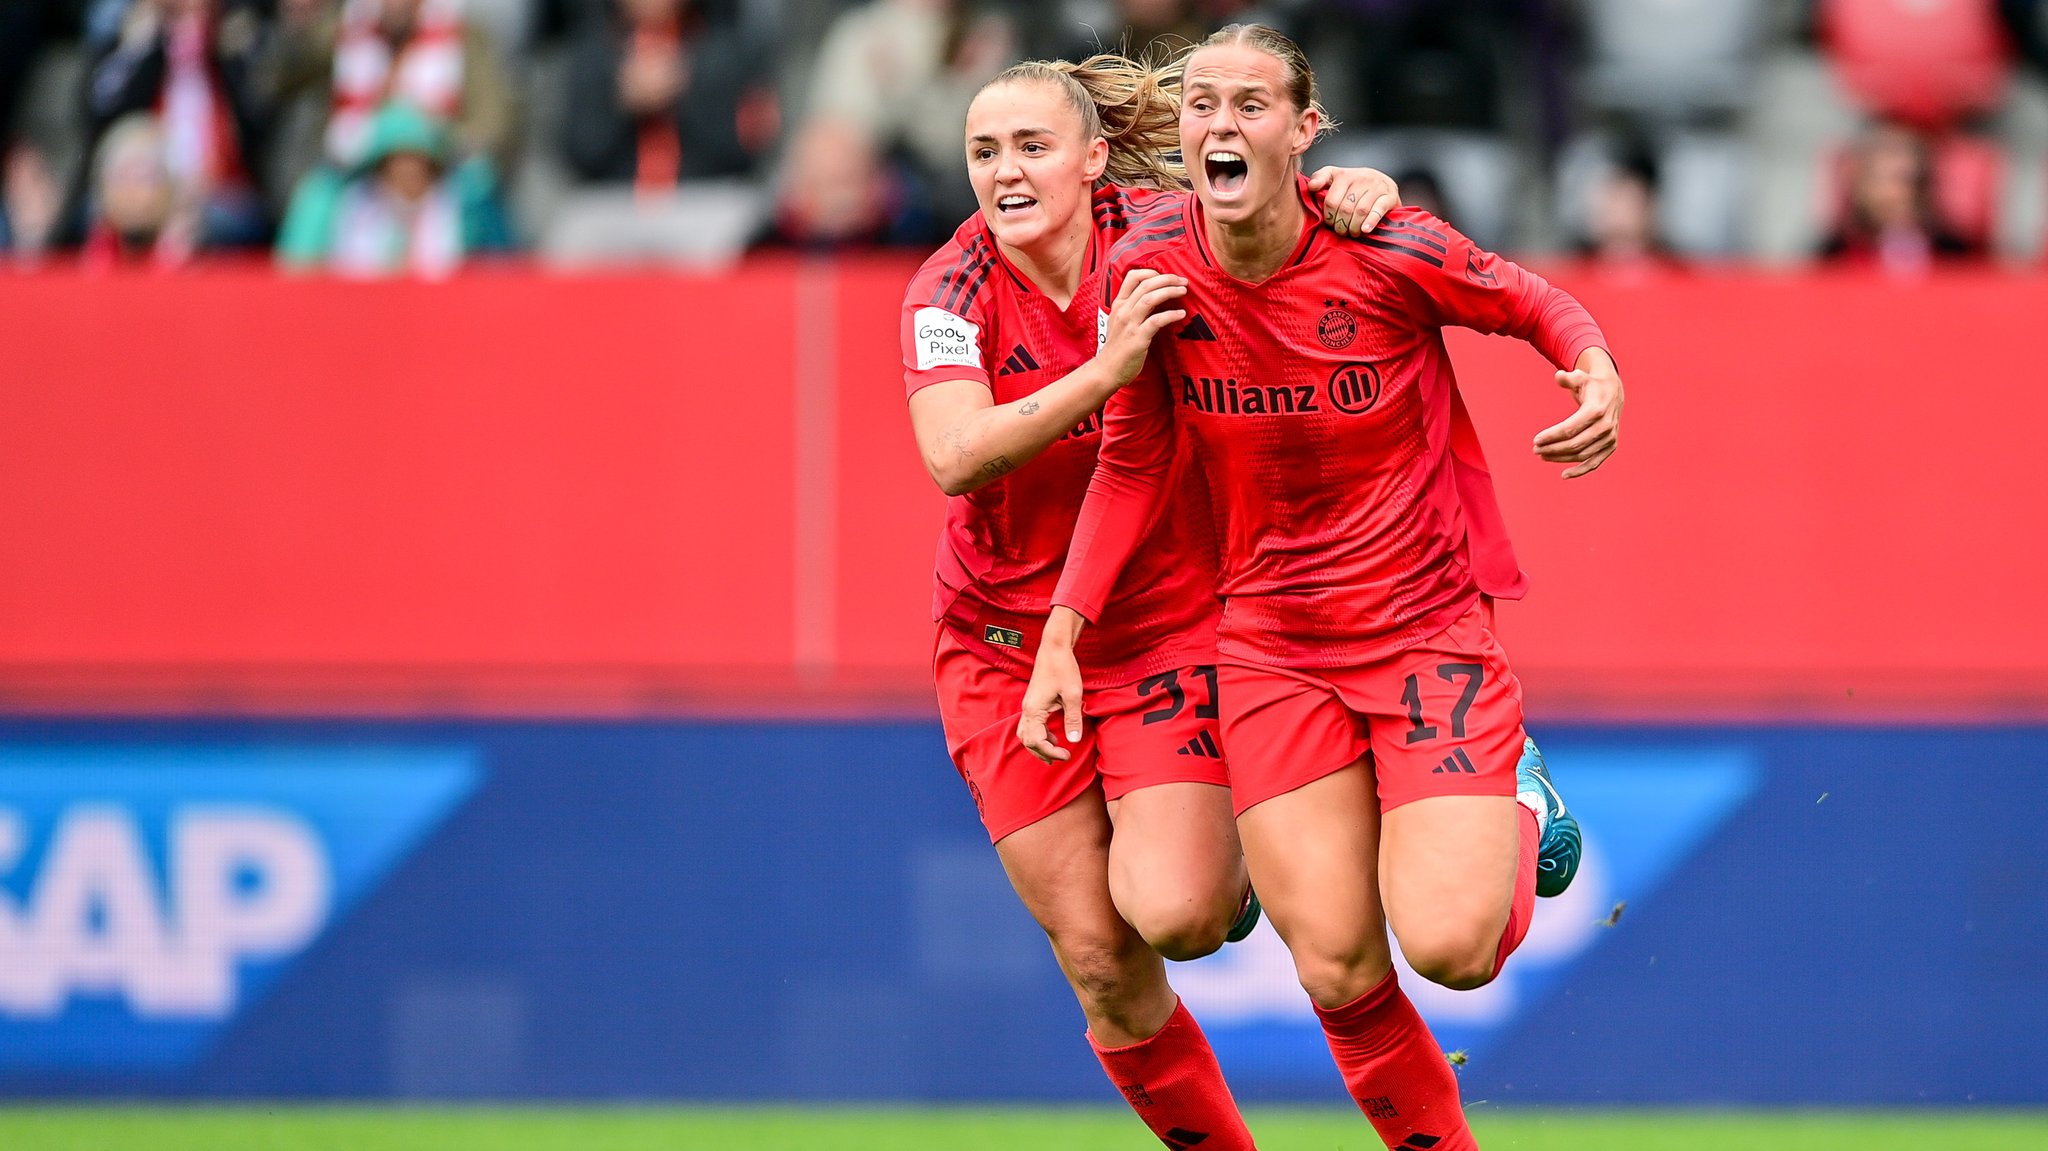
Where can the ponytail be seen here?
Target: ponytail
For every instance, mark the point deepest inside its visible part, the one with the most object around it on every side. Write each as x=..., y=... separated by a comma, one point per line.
x=1135, y=108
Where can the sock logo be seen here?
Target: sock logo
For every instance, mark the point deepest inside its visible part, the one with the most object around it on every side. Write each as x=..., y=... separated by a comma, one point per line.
x=1020, y=361
x=1180, y=1138
x=1419, y=1142
x=1134, y=1094
x=1378, y=1107
x=1203, y=745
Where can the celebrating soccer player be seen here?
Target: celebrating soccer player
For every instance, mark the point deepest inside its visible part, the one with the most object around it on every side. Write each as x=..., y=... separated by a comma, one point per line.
x=1372, y=723
x=1121, y=845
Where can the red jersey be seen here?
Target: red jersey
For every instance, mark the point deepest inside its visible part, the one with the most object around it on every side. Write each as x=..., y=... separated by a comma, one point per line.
x=969, y=315
x=1354, y=511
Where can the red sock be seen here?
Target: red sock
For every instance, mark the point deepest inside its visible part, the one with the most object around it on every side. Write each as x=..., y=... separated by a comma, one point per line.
x=1395, y=1071
x=1524, y=906
x=1172, y=1081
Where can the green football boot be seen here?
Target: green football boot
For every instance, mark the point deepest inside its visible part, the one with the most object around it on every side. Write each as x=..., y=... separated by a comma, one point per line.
x=1557, y=851
x=1247, y=917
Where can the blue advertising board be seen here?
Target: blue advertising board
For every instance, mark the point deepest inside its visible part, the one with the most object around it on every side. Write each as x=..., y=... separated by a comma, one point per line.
x=808, y=910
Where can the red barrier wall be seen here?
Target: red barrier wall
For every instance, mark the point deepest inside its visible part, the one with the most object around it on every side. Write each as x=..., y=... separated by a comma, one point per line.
x=613, y=493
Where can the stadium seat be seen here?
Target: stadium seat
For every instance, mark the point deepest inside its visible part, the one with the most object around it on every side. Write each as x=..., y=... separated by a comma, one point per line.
x=1926, y=62
x=704, y=225
x=1669, y=59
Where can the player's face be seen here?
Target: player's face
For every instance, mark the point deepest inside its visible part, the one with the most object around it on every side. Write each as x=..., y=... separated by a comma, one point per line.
x=1241, y=134
x=1031, y=168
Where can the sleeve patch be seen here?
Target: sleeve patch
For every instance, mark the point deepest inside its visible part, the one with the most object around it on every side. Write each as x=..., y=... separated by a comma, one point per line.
x=1101, y=330
x=945, y=340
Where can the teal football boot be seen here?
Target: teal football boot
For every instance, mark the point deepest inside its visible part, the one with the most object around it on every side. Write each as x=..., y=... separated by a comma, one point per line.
x=1247, y=917
x=1557, y=851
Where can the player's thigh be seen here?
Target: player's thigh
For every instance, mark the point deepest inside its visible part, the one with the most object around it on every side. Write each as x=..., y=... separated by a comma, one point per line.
x=1175, y=868
x=1308, y=820
x=979, y=705
x=1313, y=855
x=1446, y=724
x=1059, y=866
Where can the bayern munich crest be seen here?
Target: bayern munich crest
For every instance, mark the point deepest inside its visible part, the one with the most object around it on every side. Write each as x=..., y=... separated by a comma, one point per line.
x=1337, y=329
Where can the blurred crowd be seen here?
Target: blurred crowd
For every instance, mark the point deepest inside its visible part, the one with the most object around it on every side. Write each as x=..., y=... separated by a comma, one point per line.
x=378, y=137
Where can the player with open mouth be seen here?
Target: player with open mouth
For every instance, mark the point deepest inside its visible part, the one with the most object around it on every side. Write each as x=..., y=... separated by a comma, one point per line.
x=1122, y=845
x=1379, y=767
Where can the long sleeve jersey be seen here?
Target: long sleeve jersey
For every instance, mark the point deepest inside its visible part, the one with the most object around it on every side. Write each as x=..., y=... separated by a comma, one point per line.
x=1353, y=510
x=969, y=315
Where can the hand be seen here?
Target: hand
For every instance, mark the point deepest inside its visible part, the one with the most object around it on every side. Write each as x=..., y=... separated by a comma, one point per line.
x=1355, y=200
x=1594, y=431
x=1136, y=316
x=1055, y=685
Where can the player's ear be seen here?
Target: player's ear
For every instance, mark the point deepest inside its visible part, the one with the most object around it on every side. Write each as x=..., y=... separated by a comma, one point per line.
x=1307, y=127
x=1098, y=159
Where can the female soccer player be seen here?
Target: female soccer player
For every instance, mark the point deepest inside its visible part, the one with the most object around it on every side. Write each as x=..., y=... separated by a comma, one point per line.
x=1373, y=725
x=1123, y=846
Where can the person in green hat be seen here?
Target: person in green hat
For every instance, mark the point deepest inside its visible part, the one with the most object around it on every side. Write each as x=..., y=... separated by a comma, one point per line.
x=404, y=210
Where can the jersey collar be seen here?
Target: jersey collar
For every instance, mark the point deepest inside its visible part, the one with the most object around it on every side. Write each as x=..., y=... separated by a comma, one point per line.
x=1311, y=232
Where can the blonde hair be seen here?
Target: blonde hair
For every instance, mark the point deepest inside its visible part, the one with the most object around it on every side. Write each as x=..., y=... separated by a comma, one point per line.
x=1134, y=108
x=1301, y=79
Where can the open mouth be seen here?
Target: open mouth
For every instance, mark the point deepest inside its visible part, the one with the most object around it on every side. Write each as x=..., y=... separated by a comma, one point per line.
x=1227, y=171
x=1011, y=204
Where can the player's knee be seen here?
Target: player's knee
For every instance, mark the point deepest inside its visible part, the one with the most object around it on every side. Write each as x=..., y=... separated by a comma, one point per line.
x=1459, y=960
x=1336, y=975
x=1108, y=976
x=1183, y=933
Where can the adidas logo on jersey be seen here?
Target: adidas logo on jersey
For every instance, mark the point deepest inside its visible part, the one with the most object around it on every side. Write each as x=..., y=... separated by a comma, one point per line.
x=1020, y=361
x=1203, y=745
x=1196, y=328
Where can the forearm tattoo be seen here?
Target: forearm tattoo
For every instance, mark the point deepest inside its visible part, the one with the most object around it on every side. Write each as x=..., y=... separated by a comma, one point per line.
x=1000, y=466
x=1029, y=408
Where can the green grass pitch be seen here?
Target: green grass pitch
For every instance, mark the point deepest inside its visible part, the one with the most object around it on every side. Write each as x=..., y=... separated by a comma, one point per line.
x=291, y=1127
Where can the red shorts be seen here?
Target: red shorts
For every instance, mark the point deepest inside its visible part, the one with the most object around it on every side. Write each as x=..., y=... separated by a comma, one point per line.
x=1161, y=729
x=1442, y=718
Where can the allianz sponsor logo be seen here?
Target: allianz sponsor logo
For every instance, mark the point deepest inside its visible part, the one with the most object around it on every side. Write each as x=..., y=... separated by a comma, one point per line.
x=99, y=916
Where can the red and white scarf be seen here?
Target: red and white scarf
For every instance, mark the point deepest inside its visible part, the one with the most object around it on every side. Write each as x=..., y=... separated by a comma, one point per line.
x=425, y=72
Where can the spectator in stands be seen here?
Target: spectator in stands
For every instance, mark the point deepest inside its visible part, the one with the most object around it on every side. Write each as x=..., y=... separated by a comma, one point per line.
x=406, y=210
x=1889, y=220
x=357, y=54
x=194, y=66
x=902, y=72
x=1621, y=220
x=139, y=219
x=664, y=94
x=30, y=200
x=837, y=191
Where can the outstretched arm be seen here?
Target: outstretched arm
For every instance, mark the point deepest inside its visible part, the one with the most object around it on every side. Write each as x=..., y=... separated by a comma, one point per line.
x=1477, y=289
x=968, y=440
